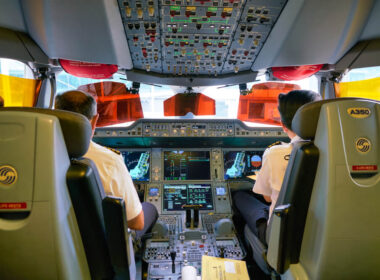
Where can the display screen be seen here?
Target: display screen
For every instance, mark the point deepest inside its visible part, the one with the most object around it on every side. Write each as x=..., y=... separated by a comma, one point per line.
x=220, y=191
x=177, y=196
x=186, y=165
x=153, y=192
x=137, y=163
x=238, y=164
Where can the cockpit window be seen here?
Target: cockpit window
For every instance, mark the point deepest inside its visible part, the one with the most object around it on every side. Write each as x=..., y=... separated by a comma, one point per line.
x=18, y=88
x=224, y=99
x=360, y=82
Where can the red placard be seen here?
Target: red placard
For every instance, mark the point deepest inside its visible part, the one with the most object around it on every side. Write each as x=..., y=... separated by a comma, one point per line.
x=12, y=205
x=364, y=167
x=87, y=69
x=294, y=73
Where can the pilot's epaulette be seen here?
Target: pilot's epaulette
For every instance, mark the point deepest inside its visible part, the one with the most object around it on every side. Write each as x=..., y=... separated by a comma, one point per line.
x=114, y=150
x=275, y=143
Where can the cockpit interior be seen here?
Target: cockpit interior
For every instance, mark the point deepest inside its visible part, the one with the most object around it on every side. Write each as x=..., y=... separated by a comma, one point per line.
x=187, y=96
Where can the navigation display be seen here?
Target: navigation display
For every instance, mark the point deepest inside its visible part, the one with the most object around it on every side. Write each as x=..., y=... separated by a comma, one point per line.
x=238, y=164
x=137, y=163
x=176, y=196
x=186, y=165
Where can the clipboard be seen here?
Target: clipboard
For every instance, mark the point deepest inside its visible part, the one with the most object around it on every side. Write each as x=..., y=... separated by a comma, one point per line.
x=223, y=269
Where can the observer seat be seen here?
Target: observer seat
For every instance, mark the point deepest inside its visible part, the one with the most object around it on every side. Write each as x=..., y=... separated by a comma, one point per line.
x=325, y=222
x=59, y=224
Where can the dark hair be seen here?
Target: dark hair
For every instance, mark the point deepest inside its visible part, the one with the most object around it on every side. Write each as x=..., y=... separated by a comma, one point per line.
x=289, y=103
x=78, y=102
x=1, y=102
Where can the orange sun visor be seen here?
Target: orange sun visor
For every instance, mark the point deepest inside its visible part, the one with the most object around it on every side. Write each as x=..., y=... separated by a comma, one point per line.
x=181, y=104
x=19, y=92
x=115, y=104
x=260, y=104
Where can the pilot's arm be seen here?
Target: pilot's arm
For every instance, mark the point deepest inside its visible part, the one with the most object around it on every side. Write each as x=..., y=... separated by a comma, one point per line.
x=124, y=188
x=137, y=223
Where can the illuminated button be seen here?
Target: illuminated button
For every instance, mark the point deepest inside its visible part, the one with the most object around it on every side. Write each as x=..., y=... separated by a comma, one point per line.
x=128, y=11
x=139, y=13
x=151, y=11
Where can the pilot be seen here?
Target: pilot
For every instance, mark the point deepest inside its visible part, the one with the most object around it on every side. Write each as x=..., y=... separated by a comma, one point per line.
x=1, y=102
x=113, y=173
x=275, y=160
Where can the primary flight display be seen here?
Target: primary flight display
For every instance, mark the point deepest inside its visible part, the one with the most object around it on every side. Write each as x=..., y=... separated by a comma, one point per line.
x=186, y=165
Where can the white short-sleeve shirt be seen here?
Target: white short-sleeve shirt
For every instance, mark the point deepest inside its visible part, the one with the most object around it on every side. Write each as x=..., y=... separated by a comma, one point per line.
x=115, y=177
x=269, y=180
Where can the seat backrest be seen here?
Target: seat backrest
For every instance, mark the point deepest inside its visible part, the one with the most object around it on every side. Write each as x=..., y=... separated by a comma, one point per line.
x=86, y=195
x=39, y=235
x=341, y=238
x=295, y=193
x=60, y=195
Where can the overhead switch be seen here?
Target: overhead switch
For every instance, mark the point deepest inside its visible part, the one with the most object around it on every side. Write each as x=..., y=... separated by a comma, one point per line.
x=128, y=11
x=151, y=11
x=140, y=13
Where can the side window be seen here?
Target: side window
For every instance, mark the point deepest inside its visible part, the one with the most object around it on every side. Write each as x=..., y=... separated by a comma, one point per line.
x=18, y=88
x=361, y=82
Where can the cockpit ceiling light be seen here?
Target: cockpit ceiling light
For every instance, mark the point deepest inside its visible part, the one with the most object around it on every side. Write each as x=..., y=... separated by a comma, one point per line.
x=182, y=103
x=87, y=69
x=294, y=73
x=115, y=103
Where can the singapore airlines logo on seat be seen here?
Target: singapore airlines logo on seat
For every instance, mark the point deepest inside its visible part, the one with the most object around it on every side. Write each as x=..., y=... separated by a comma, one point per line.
x=363, y=145
x=8, y=175
x=359, y=113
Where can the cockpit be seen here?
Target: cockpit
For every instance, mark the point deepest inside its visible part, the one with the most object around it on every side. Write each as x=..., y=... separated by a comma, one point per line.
x=187, y=95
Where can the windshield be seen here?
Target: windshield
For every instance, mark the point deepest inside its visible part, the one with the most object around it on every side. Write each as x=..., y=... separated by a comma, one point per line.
x=152, y=97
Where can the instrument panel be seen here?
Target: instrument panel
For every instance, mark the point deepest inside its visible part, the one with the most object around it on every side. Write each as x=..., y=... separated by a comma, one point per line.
x=188, y=173
x=187, y=169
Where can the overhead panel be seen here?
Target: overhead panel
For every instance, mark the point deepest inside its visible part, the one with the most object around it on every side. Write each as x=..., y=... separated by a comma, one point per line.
x=197, y=37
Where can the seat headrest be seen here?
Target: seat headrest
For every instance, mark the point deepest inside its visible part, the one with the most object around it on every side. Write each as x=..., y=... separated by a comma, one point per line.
x=305, y=120
x=75, y=127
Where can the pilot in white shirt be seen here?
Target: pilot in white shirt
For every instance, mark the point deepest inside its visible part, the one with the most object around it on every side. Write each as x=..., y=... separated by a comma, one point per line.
x=269, y=180
x=254, y=209
x=115, y=177
x=113, y=173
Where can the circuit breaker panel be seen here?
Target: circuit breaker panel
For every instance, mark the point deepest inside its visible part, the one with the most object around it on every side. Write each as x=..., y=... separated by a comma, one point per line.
x=197, y=37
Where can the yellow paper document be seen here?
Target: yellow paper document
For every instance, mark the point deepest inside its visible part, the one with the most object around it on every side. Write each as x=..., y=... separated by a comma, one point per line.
x=223, y=269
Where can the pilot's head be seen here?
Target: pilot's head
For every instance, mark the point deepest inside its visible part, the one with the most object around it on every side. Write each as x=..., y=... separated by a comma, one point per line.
x=79, y=102
x=289, y=103
x=1, y=102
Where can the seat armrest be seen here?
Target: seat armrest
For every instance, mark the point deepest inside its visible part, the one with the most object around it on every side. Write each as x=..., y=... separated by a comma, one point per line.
x=117, y=235
x=277, y=238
